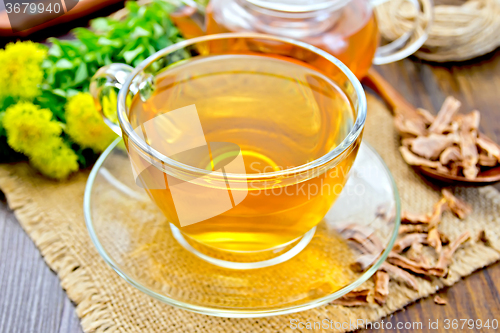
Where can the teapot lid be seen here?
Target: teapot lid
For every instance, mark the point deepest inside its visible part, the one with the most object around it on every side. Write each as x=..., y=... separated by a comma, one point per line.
x=298, y=6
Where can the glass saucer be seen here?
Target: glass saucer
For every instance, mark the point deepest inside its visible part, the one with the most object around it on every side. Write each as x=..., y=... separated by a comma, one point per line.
x=136, y=240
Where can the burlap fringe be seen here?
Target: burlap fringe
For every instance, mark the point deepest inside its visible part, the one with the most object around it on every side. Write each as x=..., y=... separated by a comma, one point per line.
x=75, y=280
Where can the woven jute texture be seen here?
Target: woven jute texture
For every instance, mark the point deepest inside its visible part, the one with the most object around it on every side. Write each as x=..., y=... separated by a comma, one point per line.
x=52, y=214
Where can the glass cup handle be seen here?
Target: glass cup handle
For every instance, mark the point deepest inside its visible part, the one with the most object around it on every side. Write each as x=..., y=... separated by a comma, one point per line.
x=400, y=48
x=104, y=87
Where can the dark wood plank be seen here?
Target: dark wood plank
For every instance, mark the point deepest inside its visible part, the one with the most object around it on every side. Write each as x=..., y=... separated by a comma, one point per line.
x=474, y=297
x=31, y=298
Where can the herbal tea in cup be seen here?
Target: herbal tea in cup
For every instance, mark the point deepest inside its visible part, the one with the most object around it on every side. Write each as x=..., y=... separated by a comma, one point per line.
x=244, y=141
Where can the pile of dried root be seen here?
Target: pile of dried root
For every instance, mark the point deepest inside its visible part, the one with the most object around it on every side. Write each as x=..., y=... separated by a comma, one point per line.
x=448, y=142
x=407, y=258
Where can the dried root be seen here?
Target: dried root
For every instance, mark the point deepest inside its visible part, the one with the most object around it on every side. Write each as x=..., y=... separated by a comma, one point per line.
x=445, y=115
x=407, y=241
x=354, y=298
x=490, y=147
x=427, y=117
x=381, y=287
x=440, y=301
x=410, y=218
x=415, y=267
x=413, y=159
x=362, y=239
x=416, y=253
x=448, y=142
x=411, y=127
x=400, y=275
x=446, y=256
x=425, y=222
x=413, y=228
x=437, y=212
x=431, y=220
x=459, y=207
x=407, y=256
x=450, y=154
x=434, y=240
x=363, y=262
x=482, y=237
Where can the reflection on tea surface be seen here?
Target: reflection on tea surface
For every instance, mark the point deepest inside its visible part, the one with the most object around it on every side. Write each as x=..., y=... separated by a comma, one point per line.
x=281, y=114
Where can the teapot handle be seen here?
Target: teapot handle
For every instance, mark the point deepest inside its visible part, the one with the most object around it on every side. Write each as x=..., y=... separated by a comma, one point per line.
x=410, y=41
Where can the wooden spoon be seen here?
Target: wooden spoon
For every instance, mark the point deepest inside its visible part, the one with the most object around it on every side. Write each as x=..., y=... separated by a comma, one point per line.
x=399, y=104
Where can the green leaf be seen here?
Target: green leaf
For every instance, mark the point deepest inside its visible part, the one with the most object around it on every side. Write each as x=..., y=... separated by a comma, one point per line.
x=107, y=59
x=151, y=50
x=106, y=41
x=72, y=92
x=140, y=32
x=59, y=92
x=2, y=130
x=47, y=64
x=81, y=73
x=54, y=101
x=55, y=51
x=142, y=11
x=63, y=64
x=100, y=24
x=132, y=6
x=138, y=60
x=129, y=56
x=8, y=101
x=89, y=57
x=99, y=57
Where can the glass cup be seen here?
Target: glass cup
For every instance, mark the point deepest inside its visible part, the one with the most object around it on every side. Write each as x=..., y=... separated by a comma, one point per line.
x=232, y=212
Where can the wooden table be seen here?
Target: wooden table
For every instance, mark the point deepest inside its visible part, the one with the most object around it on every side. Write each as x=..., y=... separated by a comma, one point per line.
x=31, y=299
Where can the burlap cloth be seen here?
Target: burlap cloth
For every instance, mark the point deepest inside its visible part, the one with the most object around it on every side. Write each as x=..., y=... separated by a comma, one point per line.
x=52, y=214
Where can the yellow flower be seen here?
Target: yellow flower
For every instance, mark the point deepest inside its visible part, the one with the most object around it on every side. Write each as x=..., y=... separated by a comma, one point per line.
x=28, y=127
x=84, y=124
x=109, y=105
x=21, y=72
x=55, y=159
x=32, y=131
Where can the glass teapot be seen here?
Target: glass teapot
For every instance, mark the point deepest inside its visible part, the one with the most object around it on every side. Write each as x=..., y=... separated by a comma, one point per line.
x=345, y=28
